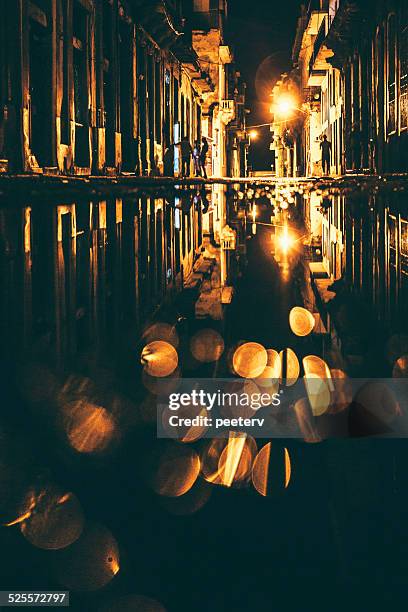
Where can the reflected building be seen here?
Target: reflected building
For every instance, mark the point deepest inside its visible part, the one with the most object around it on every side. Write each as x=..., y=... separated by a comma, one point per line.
x=78, y=276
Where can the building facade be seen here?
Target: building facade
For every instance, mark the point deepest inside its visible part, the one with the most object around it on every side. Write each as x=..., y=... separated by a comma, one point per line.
x=98, y=86
x=108, y=87
x=350, y=80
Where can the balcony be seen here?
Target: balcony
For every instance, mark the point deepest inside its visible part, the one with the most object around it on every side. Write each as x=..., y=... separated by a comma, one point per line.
x=321, y=53
x=227, y=111
x=316, y=14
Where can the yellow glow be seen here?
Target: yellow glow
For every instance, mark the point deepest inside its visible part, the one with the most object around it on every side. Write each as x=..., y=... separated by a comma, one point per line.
x=253, y=134
x=57, y=521
x=260, y=470
x=228, y=464
x=266, y=469
x=172, y=470
x=315, y=365
x=249, y=360
x=318, y=393
x=291, y=369
x=159, y=358
x=18, y=520
x=89, y=428
x=286, y=241
x=285, y=105
x=301, y=321
x=207, y=345
x=288, y=468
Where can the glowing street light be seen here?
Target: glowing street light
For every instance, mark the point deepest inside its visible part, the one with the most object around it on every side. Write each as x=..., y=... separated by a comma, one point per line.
x=284, y=105
x=253, y=134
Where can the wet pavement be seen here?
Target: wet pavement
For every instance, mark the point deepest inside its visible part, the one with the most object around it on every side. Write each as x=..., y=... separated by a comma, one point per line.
x=336, y=528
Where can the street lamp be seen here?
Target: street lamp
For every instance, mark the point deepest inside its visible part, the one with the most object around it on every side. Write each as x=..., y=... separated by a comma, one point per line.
x=284, y=105
x=253, y=134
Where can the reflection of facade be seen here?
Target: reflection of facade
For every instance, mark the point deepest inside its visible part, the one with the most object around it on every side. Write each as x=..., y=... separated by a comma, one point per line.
x=77, y=276
x=365, y=243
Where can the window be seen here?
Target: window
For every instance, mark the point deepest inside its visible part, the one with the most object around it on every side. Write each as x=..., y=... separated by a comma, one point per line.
x=404, y=266
x=356, y=76
x=176, y=101
x=81, y=93
x=80, y=26
x=392, y=41
x=404, y=69
x=393, y=263
x=404, y=238
x=158, y=101
x=108, y=82
x=65, y=129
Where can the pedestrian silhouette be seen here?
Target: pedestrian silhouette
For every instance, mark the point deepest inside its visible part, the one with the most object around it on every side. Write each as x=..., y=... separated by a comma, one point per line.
x=168, y=161
x=325, y=146
x=186, y=152
x=203, y=157
x=196, y=158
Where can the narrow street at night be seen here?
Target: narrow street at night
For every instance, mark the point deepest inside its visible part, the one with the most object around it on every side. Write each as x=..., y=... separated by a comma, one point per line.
x=203, y=305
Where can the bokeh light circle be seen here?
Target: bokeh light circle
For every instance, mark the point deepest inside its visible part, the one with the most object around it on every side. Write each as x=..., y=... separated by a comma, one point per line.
x=271, y=470
x=159, y=358
x=89, y=428
x=91, y=562
x=172, y=469
x=207, y=345
x=301, y=321
x=250, y=360
x=236, y=459
x=56, y=521
x=290, y=367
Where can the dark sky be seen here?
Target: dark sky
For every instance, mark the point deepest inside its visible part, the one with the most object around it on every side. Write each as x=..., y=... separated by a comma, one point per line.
x=262, y=33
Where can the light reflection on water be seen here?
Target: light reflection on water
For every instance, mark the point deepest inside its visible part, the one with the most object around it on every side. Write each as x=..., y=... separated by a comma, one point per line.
x=81, y=281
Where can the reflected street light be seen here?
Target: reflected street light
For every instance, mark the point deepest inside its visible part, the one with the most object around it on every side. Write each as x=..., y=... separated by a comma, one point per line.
x=286, y=240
